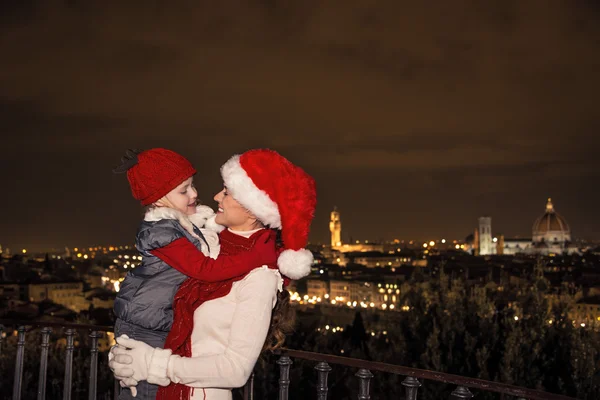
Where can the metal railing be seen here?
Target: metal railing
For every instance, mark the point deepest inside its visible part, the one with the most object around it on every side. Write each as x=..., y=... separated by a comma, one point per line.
x=23, y=327
x=364, y=374
x=411, y=376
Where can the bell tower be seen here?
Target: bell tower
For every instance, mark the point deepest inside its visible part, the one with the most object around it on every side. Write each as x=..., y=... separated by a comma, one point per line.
x=335, y=226
x=485, y=236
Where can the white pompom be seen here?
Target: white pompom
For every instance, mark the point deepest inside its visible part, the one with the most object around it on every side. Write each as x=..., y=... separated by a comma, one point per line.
x=295, y=264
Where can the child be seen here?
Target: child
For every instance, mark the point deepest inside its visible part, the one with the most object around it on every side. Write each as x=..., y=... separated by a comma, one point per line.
x=163, y=180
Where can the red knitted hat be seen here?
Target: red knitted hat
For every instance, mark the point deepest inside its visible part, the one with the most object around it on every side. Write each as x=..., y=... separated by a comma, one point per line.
x=154, y=173
x=282, y=196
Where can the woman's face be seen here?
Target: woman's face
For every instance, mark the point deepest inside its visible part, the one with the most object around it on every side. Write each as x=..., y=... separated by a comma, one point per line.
x=232, y=214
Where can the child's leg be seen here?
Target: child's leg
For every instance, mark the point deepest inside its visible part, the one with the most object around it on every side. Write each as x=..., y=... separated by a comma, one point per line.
x=145, y=390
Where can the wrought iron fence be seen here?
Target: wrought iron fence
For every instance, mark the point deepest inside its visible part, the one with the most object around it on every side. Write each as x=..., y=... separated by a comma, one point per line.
x=413, y=378
x=46, y=328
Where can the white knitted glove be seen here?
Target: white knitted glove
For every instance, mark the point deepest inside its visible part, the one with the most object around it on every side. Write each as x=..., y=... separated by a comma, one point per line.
x=124, y=381
x=140, y=361
x=131, y=358
x=201, y=215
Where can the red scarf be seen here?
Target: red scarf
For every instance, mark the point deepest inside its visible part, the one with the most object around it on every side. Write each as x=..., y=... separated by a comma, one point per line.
x=191, y=295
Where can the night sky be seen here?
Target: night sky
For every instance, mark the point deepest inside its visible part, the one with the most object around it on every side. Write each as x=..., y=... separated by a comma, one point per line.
x=415, y=118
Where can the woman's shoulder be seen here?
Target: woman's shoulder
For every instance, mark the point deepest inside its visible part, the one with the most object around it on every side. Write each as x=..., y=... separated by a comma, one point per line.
x=263, y=278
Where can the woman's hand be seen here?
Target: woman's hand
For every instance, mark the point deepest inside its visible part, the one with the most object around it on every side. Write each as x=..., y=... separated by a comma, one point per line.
x=130, y=359
x=125, y=381
x=134, y=361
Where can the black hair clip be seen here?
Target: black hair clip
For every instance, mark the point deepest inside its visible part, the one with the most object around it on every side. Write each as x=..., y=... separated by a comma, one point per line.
x=127, y=161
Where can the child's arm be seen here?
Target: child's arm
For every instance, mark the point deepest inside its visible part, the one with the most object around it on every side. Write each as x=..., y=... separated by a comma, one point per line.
x=182, y=255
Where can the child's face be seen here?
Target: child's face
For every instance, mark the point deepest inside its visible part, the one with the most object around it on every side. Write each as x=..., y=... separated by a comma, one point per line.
x=183, y=197
x=232, y=214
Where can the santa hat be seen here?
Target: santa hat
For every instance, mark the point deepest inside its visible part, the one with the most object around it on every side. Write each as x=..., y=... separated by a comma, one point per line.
x=154, y=173
x=282, y=196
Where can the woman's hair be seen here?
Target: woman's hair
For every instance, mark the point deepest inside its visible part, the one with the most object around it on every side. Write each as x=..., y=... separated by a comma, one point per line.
x=257, y=224
x=283, y=318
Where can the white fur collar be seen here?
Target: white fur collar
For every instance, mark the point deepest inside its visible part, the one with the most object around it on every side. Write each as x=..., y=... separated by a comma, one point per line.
x=203, y=218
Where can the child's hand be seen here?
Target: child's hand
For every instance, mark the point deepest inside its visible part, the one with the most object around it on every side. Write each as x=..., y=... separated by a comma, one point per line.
x=264, y=251
x=203, y=213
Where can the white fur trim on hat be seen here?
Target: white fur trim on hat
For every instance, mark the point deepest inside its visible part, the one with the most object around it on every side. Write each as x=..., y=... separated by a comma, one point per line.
x=295, y=264
x=241, y=187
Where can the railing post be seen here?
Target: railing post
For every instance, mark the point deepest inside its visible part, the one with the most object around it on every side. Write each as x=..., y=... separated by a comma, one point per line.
x=249, y=388
x=323, y=370
x=93, y=388
x=19, y=364
x=43, y=363
x=412, y=386
x=461, y=392
x=364, y=378
x=1, y=337
x=68, y=365
x=284, y=376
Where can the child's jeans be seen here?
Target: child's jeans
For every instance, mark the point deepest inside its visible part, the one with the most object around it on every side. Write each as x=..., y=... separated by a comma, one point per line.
x=145, y=390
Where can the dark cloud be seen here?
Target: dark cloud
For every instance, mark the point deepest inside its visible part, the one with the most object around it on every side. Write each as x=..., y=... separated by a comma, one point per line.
x=428, y=114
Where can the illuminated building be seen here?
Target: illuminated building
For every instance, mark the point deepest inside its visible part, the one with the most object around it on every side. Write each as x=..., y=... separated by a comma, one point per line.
x=335, y=227
x=486, y=246
x=551, y=235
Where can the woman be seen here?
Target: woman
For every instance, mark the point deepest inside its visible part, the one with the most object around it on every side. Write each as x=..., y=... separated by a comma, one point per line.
x=163, y=181
x=230, y=323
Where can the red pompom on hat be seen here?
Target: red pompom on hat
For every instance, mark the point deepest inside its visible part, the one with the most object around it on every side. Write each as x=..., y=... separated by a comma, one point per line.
x=154, y=173
x=282, y=196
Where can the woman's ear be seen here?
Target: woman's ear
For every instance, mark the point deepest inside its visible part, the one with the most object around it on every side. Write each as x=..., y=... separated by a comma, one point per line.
x=256, y=222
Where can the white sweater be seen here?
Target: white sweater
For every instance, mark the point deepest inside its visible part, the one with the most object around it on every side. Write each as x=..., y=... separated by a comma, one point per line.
x=228, y=335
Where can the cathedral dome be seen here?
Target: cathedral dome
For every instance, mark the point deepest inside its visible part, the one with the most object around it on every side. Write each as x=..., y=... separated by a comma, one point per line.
x=550, y=221
x=551, y=229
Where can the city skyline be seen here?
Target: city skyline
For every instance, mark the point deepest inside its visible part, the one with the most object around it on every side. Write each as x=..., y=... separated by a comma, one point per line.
x=344, y=238
x=414, y=121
